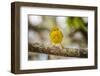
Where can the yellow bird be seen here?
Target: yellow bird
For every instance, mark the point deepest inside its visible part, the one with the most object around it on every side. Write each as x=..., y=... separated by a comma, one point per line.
x=56, y=36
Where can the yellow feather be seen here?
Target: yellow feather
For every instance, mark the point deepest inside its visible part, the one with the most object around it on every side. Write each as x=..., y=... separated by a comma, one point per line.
x=56, y=35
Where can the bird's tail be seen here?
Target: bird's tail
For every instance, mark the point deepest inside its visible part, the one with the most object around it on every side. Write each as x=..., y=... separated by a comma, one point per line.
x=62, y=46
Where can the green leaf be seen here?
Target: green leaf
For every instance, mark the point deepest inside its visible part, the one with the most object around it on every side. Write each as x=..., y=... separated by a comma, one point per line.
x=77, y=23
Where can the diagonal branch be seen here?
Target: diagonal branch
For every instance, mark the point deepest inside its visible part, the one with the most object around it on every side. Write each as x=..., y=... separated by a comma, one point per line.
x=67, y=52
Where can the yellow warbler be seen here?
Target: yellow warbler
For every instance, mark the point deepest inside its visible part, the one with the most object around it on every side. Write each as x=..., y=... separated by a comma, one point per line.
x=56, y=35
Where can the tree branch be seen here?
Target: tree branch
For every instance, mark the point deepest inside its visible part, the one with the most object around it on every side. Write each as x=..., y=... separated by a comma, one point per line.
x=67, y=52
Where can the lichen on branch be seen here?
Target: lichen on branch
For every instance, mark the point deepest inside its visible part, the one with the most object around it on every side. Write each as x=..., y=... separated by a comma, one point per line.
x=66, y=52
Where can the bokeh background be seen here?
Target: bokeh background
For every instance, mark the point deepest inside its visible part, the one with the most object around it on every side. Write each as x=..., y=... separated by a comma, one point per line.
x=74, y=29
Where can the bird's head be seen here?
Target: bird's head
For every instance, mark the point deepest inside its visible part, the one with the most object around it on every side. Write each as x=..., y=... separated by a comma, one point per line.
x=54, y=28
